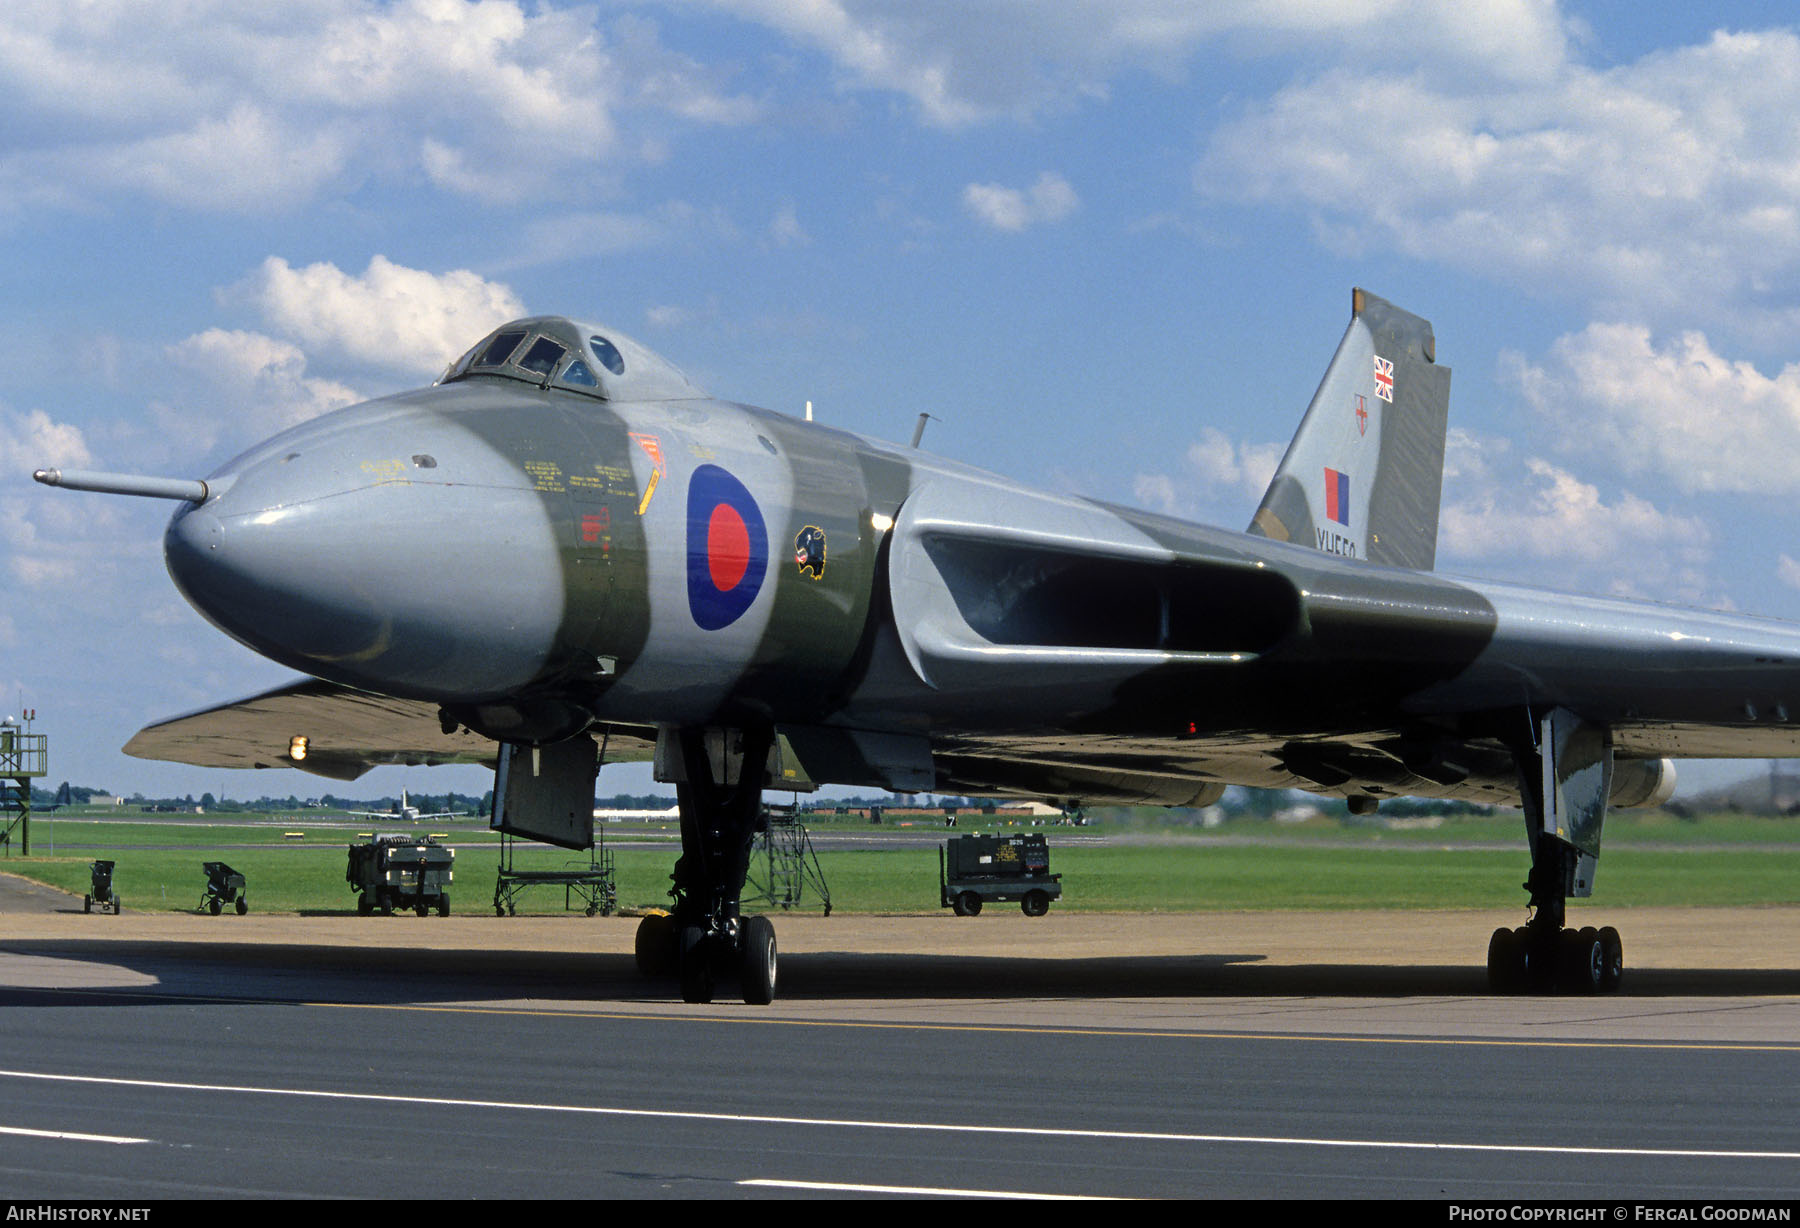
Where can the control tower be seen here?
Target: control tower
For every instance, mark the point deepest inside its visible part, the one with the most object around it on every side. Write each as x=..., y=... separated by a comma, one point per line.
x=24, y=757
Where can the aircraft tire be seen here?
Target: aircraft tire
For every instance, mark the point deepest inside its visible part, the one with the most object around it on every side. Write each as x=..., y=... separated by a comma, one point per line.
x=695, y=966
x=1612, y=960
x=1578, y=961
x=756, y=961
x=654, y=947
x=1505, y=962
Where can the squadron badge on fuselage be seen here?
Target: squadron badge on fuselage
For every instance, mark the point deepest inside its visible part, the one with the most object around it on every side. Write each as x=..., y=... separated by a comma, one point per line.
x=809, y=551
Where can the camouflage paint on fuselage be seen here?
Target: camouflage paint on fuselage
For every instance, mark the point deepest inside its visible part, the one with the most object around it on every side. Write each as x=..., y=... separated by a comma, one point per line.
x=541, y=549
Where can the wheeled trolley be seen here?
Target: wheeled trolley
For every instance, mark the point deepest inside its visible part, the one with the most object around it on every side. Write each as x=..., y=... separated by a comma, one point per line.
x=977, y=870
x=224, y=886
x=101, y=890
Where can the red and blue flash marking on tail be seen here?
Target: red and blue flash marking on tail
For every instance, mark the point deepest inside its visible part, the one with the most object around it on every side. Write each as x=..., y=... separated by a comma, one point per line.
x=1337, y=497
x=727, y=548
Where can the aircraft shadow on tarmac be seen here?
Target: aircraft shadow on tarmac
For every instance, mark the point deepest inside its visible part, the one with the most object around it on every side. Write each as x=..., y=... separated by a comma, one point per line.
x=299, y=972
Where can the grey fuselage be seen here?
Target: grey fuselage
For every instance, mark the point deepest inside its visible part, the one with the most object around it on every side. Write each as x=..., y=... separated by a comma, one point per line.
x=539, y=560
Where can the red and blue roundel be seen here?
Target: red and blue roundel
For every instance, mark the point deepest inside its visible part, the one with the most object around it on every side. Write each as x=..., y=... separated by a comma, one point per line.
x=728, y=548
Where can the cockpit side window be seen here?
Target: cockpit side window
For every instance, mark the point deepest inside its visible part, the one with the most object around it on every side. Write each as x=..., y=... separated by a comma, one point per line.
x=608, y=354
x=542, y=357
x=578, y=374
x=500, y=349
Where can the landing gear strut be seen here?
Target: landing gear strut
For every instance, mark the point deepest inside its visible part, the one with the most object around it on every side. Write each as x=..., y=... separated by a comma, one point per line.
x=1565, y=778
x=720, y=795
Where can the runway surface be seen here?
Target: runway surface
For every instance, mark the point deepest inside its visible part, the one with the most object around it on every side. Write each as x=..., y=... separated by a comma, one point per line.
x=1279, y=1054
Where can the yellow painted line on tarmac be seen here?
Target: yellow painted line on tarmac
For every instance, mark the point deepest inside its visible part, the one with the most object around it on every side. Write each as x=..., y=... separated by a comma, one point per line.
x=1002, y=1029
x=1111, y=1033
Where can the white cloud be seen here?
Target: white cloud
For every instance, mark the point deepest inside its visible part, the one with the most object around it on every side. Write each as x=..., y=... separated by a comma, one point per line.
x=1218, y=477
x=1668, y=184
x=243, y=161
x=785, y=229
x=1677, y=408
x=1050, y=199
x=1627, y=546
x=964, y=63
x=389, y=317
x=1787, y=570
x=33, y=440
x=216, y=106
x=251, y=385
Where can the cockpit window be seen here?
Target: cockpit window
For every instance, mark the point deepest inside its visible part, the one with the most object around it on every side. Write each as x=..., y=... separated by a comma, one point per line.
x=577, y=373
x=499, y=349
x=542, y=357
x=608, y=354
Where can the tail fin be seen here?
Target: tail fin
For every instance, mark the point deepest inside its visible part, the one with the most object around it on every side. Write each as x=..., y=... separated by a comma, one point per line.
x=1364, y=475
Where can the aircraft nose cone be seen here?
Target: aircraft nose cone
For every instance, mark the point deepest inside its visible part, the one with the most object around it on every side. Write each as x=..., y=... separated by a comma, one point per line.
x=367, y=580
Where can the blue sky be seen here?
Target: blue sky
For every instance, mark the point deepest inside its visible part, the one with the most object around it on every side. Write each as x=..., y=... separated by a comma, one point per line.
x=1109, y=245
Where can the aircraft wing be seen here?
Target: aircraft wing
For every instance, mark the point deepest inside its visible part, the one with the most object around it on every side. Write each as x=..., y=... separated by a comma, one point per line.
x=347, y=732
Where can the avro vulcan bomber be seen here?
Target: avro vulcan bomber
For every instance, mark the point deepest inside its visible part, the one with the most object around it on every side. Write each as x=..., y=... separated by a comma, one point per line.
x=564, y=553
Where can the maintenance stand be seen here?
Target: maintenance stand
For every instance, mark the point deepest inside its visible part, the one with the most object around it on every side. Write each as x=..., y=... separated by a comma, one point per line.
x=591, y=883
x=23, y=758
x=975, y=870
x=788, y=862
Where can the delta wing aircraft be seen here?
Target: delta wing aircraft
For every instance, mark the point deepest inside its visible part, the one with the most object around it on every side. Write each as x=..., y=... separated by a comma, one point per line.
x=564, y=553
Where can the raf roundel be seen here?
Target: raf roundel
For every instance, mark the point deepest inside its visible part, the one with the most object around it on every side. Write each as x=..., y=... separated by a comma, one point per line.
x=728, y=548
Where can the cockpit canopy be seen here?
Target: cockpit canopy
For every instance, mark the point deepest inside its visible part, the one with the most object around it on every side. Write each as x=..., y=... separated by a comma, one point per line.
x=554, y=352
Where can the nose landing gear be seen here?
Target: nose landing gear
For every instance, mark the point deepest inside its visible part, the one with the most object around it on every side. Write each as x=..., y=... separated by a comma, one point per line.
x=705, y=939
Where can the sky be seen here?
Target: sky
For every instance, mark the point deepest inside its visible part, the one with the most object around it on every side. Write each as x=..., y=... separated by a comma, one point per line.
x=1107, y=244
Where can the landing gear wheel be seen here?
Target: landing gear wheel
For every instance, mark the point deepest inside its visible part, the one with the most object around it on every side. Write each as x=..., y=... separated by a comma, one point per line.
x=1506, y=961
x=243, y=906
x=1035, y=903
x=1612, y=960
x=756, y=961
x=1578, y=961
x=968, y=904
x=696, y=965
x=655, y=945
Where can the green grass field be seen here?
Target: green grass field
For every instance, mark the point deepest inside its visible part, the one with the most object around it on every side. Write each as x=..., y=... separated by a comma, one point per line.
x=1472, y=863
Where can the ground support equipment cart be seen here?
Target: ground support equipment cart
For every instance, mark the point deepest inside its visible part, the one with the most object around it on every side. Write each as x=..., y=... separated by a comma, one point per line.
x=401, y=871
x=977, y=870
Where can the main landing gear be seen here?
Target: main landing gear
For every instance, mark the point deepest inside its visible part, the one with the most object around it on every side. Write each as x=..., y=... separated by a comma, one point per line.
x=704, y=939
x=1544, y=955
x=1565, y=778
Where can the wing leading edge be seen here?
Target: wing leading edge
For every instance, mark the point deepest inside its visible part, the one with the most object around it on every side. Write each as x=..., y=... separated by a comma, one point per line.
x=346, y=732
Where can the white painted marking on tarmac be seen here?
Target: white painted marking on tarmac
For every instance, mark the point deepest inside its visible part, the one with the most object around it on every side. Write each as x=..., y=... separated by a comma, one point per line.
x=923, y=1191
x=920, y=1127
x=70, y=1135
